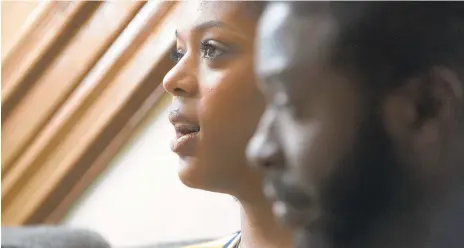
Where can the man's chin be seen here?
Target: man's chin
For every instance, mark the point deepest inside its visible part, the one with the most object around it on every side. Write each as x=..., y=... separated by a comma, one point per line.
x=293, y=217
x=304, y=238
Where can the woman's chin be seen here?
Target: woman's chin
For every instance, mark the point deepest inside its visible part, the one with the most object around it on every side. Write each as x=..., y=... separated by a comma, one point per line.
x=188, y=180
x=191, y=174
x=198, y=176
x=196, y=181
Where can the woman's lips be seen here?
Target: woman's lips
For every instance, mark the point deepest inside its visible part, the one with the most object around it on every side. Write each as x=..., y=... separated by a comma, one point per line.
x=185, y=129
x=186, y=139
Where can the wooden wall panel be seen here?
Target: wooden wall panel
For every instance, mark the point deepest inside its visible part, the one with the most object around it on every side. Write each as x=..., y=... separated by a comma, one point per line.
x=53, y=87
x=86, y=124
x=15, y=18
x=26, y=63
x=157, y=99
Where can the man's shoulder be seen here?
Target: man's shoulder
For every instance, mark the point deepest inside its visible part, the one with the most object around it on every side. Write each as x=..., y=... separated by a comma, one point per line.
x=226, y=242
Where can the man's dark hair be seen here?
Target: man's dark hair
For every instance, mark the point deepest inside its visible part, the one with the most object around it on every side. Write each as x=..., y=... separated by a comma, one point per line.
x=256, y=8
x=391, y=41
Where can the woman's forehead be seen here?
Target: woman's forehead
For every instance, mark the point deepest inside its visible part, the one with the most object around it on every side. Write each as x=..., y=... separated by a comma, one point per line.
x=227, y=12
x=216, y=5
x=205, y=7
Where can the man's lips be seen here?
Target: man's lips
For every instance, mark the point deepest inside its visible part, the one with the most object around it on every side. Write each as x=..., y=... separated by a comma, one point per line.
x=293, y=206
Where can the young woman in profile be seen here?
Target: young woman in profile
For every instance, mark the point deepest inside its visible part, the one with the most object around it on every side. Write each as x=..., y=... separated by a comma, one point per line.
x=215, y=110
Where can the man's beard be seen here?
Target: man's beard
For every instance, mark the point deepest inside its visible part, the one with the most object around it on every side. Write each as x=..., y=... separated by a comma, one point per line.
x=362, y=193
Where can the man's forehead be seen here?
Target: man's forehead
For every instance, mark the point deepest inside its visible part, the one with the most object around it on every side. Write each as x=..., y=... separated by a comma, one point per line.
x=279, y=20
x=285, y=39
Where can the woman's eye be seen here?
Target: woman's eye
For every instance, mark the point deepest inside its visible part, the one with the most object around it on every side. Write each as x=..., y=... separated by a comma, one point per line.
x=176, y=55
x=212, y=49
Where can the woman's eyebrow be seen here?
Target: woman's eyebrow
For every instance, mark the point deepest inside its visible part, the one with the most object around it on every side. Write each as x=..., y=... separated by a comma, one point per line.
x=211, y=24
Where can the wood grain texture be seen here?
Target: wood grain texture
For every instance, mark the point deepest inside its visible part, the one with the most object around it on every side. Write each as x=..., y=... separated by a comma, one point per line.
x=158, y=99
x=21, y=75
x=24, y=66
x=17, y=19
x=61, y=77
x=85, y=106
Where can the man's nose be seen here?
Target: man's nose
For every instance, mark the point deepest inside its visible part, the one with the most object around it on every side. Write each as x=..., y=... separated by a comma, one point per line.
x=263, y=151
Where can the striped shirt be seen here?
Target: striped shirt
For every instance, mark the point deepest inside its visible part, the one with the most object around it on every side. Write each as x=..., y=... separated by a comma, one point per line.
x=228, y=242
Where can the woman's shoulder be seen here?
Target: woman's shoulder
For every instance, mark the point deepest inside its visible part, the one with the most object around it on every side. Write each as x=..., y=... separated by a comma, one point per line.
x=227, y=242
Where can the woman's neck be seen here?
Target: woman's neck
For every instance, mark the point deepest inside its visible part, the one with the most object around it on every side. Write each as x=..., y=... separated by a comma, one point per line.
x=259, y=227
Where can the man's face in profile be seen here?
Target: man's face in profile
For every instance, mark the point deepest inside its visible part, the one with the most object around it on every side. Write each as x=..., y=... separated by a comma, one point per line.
x=321, y=143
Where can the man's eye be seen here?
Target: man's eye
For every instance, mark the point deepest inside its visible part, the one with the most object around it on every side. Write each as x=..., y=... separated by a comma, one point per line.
x=212, y=49
x=280, y=99
x=282, y=102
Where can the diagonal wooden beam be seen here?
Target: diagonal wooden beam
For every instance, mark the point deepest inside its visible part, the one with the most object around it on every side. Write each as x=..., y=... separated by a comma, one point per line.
x=59, y=78
x=37, y=50
x=93, y=117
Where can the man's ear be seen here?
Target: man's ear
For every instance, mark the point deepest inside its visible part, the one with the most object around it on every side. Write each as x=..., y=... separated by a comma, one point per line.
x=417, y=115
x=447, y=89
x=426, y=99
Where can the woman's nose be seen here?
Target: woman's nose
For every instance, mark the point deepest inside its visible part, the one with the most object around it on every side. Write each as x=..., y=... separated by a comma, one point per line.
x=180, y=81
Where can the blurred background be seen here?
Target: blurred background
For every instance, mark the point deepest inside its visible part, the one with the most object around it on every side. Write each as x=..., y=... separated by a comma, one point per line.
x=85, y=136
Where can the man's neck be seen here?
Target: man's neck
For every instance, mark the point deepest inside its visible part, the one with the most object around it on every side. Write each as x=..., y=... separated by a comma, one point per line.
x=260, y=229
x=435, y=223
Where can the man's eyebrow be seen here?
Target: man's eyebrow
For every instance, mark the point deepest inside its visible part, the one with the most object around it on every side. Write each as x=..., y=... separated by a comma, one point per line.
x=207, y=25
